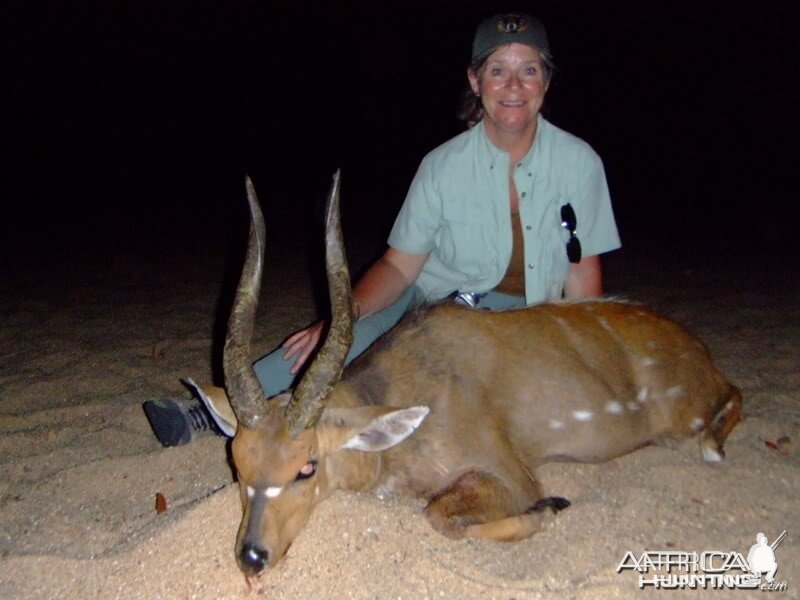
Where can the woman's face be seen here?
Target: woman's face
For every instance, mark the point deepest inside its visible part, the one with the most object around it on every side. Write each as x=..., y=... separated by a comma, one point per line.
x=512, y=86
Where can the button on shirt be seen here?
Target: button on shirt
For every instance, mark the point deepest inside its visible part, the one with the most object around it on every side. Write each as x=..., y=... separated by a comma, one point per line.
x=457, y=209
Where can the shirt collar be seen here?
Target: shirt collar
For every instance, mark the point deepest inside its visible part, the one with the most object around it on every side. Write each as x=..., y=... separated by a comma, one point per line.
x=498, y=156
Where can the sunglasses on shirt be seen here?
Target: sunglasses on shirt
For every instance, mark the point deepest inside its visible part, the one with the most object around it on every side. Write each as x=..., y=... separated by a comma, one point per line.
x=570, y=222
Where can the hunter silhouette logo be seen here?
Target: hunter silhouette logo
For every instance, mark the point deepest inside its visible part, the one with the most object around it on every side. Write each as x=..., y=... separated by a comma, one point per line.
x=761, y=557
x=710, y=569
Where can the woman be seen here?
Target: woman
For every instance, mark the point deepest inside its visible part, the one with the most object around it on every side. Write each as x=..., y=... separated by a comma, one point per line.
x=491, y=219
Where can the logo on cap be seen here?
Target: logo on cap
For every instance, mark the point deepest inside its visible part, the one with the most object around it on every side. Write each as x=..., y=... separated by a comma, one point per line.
x=512, y=24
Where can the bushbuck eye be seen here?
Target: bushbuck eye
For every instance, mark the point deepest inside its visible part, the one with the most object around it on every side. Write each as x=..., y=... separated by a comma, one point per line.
x=307, y=471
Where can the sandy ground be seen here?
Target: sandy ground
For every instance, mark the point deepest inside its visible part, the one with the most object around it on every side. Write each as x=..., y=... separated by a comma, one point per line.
x=80, y=469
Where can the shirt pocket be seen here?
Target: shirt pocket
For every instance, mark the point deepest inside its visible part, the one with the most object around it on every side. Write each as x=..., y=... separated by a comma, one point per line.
x=467, y=241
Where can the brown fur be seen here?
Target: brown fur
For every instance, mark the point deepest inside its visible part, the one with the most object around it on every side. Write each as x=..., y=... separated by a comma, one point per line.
x=507, y=391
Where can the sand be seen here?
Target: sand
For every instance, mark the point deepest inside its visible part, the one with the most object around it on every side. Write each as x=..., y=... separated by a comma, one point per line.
x=82, y=348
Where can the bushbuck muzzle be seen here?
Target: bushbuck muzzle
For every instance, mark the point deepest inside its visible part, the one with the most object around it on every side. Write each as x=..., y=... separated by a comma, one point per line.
x=455, y=405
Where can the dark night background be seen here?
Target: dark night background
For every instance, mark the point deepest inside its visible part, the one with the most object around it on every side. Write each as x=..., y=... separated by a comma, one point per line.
x=131, y=125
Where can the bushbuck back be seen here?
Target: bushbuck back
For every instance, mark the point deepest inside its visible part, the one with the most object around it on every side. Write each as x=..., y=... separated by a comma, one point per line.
x=458, y=406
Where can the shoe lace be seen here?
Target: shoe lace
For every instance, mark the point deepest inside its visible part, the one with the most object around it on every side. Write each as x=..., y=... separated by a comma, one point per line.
x=199, y=419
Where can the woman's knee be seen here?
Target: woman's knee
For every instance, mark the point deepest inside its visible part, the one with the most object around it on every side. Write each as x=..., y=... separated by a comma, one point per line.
x=274, y=373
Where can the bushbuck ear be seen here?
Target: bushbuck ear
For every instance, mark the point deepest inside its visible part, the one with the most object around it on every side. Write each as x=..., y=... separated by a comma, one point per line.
x=371, y=428
x=216, y=401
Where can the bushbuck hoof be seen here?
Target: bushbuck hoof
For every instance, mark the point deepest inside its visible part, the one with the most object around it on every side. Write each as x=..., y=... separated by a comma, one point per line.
x=554, y=503
x=712, y=453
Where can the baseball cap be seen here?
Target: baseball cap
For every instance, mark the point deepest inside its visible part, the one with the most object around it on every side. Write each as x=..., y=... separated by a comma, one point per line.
x=508, y=28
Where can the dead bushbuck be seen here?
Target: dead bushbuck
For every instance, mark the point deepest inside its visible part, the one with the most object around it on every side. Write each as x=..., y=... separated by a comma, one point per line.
x=455, y=405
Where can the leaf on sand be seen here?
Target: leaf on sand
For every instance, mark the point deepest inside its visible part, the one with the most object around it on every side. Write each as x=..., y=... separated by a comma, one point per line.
x=161, y=503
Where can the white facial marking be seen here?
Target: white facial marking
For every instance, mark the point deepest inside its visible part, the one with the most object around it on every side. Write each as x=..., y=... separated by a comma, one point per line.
x=633, y=406
x=711, y=455
x=675, y=391
x=273, y=492
x=553, y=424
x=582, y=415
x=697, y=424
x=648, y=361
x=613, y=407
x=642, y=396
x=250, y=492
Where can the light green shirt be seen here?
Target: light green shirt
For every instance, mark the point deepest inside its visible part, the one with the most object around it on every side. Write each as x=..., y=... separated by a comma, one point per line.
x=457, y=209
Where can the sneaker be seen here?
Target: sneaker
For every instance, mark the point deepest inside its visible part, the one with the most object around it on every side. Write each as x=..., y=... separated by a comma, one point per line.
x=178, y=422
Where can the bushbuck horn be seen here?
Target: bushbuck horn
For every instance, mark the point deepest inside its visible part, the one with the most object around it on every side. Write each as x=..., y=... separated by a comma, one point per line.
x=308, y=398
x=244, y=390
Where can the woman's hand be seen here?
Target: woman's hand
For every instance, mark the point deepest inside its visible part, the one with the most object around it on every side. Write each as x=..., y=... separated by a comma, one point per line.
x=302, y=344
x=380, y=286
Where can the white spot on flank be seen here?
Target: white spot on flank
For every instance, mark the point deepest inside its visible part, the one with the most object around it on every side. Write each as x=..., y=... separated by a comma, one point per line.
x=648, y=361
x=562, y=323
x=642, y=396
x=697, y=424
x=316, y=491
x=553, y=424
x=613, y=407
x=273, y=492
x=633, y=406
x=582, y=415
x=685, y=355
x=605, y=325
x=675, y=391
x=652, y=344
x=250, y=492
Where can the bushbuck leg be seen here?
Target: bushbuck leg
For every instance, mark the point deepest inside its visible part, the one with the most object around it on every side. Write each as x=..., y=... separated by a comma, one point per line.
x=513, y=529
x=728, y=414
x=477, y=505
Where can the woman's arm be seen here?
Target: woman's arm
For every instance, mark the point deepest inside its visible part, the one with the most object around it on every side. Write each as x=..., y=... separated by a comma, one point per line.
x=386, y=280
x=381, y=285
x=585, y=279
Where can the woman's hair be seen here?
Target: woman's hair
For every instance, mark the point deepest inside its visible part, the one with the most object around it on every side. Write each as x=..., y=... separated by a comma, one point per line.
x=470, y=108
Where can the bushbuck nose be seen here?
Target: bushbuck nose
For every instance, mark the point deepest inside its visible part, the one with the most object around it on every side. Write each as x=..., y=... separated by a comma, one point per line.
x=254, y=558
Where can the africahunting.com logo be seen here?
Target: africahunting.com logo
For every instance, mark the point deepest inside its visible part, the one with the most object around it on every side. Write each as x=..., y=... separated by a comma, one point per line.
x=711, y=569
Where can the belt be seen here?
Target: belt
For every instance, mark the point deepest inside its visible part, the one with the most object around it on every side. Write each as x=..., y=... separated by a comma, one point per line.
x=471, y=299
